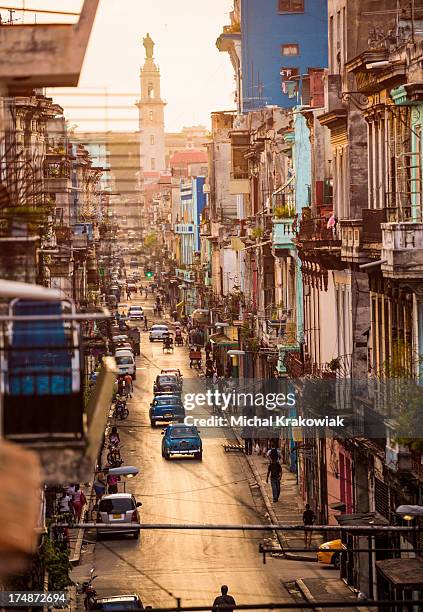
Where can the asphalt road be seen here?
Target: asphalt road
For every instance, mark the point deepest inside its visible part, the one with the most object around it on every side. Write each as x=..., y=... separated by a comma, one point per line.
x=165, y=565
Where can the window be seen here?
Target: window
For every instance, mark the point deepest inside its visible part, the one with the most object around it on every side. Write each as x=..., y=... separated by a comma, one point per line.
x=152, y=139
x=331, y=45
x=153, y=163
x=290, y=49
x=288, y=73
x=291, y=6
x=151, y=115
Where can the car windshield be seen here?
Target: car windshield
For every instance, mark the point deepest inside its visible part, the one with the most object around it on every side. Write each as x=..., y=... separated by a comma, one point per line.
x=166, y=401
x=166, y=379
x=183, y=432
x=159, y=328
x=121, y=360
x=117, y=505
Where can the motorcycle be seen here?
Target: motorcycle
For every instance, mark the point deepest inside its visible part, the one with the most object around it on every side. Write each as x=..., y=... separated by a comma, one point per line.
x=120, y=412
x=89, y=591
x=113, y=456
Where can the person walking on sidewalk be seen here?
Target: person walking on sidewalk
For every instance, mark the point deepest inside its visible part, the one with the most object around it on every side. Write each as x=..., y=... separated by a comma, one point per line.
x=224, y=602
x=79, y=501
x=247, y=436
x=275, y=473
x=308, y=519
x=99, y=486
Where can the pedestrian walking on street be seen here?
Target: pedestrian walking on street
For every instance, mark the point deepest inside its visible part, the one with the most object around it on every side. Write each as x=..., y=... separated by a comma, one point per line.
x=275, y=473
x=112, y=483
x=145, y=323
x=308, y=519
x=224, y=602
x=274, y=453
x=129, y=386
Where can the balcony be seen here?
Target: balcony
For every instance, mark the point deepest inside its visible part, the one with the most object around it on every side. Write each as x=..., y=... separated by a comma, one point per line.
x=283, y=235
x=45, y=55
x=315, y=233
x=294, y=365
x=351, y=240
x=402, y=250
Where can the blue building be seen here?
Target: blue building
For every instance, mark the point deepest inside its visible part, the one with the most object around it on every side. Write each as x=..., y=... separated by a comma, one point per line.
x=187, y=228
x=274, y=46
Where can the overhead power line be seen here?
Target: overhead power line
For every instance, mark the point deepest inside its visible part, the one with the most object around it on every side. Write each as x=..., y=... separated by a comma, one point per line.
x=248, y=527
x=312, y=605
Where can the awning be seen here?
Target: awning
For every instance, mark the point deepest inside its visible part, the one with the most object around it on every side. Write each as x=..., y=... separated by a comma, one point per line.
x=359, y=519
x=223, y=340
x=402, y=572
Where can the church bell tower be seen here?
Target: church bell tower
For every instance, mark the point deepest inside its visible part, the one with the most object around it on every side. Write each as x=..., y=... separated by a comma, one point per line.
x=151, y=114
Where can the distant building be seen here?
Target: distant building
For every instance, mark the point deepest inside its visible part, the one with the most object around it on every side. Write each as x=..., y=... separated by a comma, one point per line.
x=274, y=45
x=119, y=154
x=192, y=137
x=188, y=163
x=187, y=226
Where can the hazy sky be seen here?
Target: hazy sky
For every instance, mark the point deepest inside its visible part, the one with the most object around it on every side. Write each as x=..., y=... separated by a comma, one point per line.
x=196, y=78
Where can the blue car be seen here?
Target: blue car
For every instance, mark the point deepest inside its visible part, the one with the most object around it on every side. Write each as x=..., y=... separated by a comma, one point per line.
x=182, y=440
x=165, y=408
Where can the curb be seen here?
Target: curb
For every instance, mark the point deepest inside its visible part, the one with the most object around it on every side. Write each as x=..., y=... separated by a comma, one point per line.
x=80, y=537
x=282, y=542
x=306, y=593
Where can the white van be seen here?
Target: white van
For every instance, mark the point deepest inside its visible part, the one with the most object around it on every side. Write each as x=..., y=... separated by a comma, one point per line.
x=125, y=362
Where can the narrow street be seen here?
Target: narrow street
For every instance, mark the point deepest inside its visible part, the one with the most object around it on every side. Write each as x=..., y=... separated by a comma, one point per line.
x=189, y=565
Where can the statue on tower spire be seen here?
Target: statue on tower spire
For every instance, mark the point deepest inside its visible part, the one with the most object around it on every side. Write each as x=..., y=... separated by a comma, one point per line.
x=148, y=46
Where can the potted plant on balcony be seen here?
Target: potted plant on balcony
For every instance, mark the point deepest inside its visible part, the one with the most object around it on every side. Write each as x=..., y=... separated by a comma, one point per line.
x=284, y=212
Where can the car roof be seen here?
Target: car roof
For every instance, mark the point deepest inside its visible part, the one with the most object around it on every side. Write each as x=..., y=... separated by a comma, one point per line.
x=166, y=396
x=117, y=496
x=159, y=326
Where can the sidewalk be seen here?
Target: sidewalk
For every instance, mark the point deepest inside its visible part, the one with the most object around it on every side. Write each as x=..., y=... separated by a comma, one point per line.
x=330, y=589
x=288, y=510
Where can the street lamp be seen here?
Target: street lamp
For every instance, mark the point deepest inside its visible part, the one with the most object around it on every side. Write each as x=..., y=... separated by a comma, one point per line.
x=408, y=513
x=127, y=471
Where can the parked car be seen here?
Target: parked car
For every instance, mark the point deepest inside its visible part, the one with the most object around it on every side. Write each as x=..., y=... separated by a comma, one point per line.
x=165, y=408
x=135, y=313
x=181, y=440
x=158, y=332
x=118, y=603
x=119, y=509
x=330, y=557
x=166, y=383
x=125, y=362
